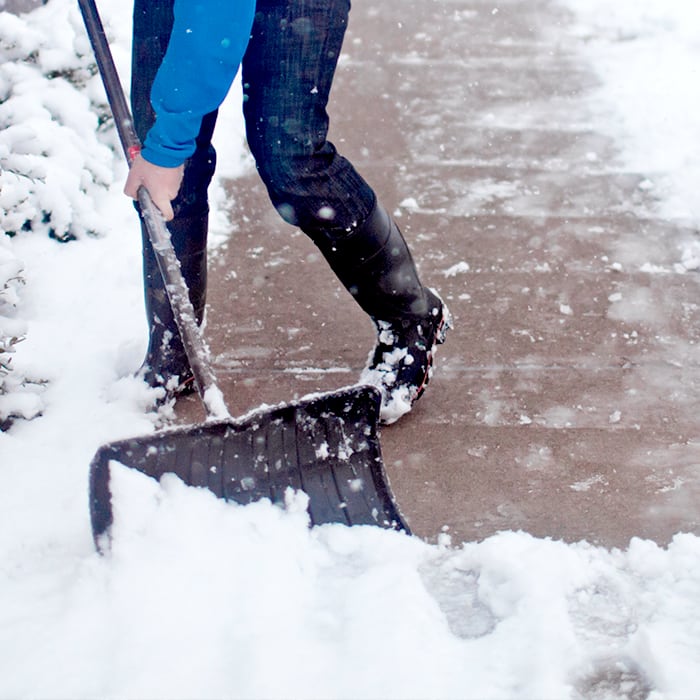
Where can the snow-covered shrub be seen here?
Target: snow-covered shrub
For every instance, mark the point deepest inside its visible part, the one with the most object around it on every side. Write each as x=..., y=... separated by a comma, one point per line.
x=57, y=142
x=58, y=156
x=16, y=399
x=10, y=331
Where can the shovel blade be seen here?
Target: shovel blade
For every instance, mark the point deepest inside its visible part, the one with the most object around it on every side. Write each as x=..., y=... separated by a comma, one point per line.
x=326, y=446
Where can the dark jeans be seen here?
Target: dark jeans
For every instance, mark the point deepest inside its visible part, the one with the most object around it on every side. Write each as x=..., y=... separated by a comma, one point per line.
x=288, y=69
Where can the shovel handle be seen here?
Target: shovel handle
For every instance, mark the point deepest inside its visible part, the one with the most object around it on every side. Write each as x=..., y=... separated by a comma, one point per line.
x=158, y=234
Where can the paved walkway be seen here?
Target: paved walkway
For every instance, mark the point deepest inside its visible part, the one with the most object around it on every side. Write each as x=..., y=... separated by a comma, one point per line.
x=565, y=403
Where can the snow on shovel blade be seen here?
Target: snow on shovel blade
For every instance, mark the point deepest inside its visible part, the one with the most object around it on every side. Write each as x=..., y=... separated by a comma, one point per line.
x=326, y=446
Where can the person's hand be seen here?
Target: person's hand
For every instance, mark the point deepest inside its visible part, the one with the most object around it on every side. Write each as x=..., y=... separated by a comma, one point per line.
x=162, y=184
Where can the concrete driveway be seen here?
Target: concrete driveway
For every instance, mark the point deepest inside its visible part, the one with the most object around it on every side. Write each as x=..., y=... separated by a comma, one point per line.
x=565, y=402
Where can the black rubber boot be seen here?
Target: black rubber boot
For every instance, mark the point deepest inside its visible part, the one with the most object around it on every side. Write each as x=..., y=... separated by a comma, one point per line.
x=165, y=364
x=376, y=267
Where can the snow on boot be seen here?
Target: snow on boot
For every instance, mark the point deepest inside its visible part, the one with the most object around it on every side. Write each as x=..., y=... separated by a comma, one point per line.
x=402, y=361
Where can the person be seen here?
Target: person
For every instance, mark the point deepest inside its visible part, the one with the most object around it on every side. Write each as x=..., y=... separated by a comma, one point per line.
x=186, y=54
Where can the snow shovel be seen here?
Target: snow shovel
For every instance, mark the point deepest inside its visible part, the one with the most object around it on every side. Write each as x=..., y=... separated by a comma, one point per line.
x=326, y=445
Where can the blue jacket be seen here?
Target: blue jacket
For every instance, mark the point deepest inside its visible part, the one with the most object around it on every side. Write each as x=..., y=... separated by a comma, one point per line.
x=206, y=47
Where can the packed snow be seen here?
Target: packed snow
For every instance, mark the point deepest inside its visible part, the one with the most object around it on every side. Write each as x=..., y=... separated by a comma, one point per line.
x=202, y=599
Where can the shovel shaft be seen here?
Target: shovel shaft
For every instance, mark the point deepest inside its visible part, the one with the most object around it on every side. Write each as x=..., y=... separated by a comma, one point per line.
x=168, y=264
x=183, y=311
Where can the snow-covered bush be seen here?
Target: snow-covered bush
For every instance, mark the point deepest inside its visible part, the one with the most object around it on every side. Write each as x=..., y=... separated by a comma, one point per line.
x=10, y=279
x=13, y=402
x=57, y=143
x=58, y=157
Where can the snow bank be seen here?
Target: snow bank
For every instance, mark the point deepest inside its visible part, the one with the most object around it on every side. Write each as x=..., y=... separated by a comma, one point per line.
x=646, y=54
x=199, y=598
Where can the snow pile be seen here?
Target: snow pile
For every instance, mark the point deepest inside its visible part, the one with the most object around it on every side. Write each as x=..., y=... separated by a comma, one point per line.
x=647, y=55
x=202, y=599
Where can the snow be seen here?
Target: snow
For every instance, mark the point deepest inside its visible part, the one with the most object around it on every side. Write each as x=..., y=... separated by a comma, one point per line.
x=202, y=599
x=647, y=57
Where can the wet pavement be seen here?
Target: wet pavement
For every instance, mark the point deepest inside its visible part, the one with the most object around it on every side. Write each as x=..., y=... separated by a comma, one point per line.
x=565, y=402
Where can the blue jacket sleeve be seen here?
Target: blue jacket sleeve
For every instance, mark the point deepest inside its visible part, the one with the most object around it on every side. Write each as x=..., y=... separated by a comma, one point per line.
x=207, y=44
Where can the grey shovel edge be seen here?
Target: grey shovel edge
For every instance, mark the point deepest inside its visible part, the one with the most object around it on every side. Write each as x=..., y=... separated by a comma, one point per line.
x=326, y=445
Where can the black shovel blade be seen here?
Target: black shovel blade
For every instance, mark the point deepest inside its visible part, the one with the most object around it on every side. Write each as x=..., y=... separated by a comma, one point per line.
x=326, y=446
